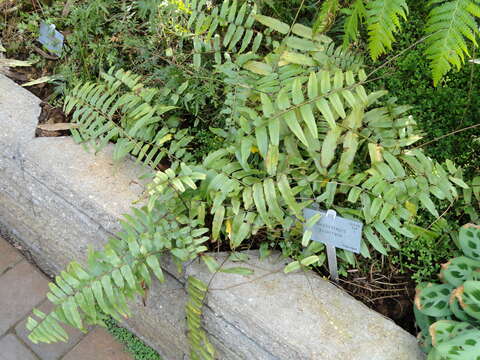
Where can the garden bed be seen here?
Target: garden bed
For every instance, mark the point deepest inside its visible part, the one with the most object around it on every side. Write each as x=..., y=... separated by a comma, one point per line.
x=53, y=196
x=242, y=121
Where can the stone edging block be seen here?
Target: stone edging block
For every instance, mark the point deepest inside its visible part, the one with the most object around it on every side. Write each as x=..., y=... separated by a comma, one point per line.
x=56, y=199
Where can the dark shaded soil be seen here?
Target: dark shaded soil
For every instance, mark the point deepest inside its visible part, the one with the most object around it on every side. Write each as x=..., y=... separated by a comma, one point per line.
x=389, y=294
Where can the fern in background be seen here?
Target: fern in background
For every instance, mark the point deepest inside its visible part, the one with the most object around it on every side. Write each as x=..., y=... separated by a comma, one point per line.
x=451, y=29
x=383, y=20
x=450, y=25
x=355, y=16
x=326, y=16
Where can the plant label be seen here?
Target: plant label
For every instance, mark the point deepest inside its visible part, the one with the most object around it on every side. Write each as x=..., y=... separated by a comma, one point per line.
x=336, y=231
x=51, y=38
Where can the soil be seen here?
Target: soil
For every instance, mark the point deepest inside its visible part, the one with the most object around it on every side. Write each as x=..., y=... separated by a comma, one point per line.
x=389, y=294
x=52, y=120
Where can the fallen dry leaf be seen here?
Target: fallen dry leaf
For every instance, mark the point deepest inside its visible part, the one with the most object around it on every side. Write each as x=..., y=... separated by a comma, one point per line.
x=57, y=126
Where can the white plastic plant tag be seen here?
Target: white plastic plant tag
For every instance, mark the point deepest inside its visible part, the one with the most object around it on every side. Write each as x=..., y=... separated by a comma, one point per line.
x=335, y=230
x=51, y=38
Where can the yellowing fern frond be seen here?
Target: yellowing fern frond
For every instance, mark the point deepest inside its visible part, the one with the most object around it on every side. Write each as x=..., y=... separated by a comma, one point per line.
x=451, y=24
x=383, y=20
x=326, y=16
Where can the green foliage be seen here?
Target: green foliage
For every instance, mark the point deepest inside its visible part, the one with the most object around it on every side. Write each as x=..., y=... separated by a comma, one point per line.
x=114, y=275
x=423, y=254
x=121, y=108
x=326, y=16
x=286, y=10
x=201, y=348
x=450, y=24
x=450, y=28
x=438, y=111
x=106, y=33
x=132, y=344
x=355, y=16
x=383, y=20
x=448, y=314
x=300, y=128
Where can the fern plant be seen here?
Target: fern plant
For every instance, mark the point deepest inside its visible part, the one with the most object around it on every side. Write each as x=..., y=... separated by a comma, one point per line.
x=301, y=129
x=122, y=109
x=451, y=29
x=383, y=20
x=451, y=24
x=326, y=16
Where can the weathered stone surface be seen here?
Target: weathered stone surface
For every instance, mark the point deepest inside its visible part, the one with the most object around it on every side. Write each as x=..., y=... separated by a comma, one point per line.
x=21, y=289
x=161, y=323
x=53, y=203
x=12, y=349
x=296, y=316
x=19, y=111
x=49, y=351
x=8, y=256
x=51, y=177
x=56, y=198
x=98, y=345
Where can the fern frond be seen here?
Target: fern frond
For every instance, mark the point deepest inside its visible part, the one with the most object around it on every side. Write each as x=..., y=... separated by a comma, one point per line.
x=452, y=24
x=383, y=20
x=123, y=269
x=216, y=29
x=122, y=107
x=326, y=16
x=341, y=58
x=356, y=14
x=201, y=348
x=111, y=277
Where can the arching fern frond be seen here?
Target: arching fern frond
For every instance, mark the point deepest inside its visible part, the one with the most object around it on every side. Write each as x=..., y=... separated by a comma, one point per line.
x=355, y=16
x=383, y=19
x=451, y=24
x=116, y=274
x=121, y=107
x=201, y=348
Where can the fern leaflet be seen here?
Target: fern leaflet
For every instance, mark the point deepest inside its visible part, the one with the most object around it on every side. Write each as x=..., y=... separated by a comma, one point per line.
x=383, y=21
x=451, y=23
x=326, y=16
x=355, y=16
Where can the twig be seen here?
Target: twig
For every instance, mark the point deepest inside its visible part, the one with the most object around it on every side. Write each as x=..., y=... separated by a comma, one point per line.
x=446, y=135
x=399, y=54
x=385, y=297
x=44, y=54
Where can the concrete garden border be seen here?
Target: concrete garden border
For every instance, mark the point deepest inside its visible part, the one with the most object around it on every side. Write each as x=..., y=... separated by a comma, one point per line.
x=56, y=199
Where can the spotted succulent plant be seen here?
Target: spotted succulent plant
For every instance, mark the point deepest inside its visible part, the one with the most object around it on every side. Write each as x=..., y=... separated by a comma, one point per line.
x=448, y=314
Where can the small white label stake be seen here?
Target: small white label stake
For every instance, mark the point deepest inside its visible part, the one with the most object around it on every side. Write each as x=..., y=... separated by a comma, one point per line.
x=331, y=250
x=335, y=232
x=332, y=262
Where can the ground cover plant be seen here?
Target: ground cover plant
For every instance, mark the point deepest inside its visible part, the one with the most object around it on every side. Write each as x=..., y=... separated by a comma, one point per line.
x=449, y=313
x=243, y=120
x=132, y=344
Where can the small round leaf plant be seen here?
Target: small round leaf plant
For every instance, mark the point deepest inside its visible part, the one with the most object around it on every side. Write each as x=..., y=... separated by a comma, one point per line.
x=448, y=314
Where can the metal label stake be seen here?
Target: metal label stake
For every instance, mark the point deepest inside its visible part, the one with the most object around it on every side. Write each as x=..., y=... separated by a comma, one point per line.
x=332, y=251
x=335, y=232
